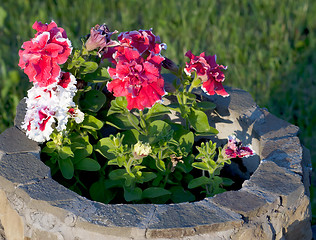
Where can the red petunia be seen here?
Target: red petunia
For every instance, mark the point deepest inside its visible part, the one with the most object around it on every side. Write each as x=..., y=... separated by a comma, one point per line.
x=137, y=78
x=208, y=71
x=142, y=40
x=42, y=55
x=235, y=149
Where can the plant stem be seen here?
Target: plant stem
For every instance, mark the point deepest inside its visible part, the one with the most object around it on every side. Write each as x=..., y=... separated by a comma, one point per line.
x=142, y=120
x=135, y=125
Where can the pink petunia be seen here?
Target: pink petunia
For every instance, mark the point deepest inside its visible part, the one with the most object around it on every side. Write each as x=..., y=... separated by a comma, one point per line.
x=208, y=71
x=43, y=54
x=100, y=37
x=137, y=78
x=235, y=149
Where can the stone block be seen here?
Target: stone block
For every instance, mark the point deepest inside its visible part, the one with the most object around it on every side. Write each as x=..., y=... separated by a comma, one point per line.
x=123, y=215
x=272, y=127
x=20, y=114
x=23, y=168
x=270, y=179
x=285, y=152
x=48, y=190
x=238, y=101
x=242, y=202
x=12, y=140
x=186, y=219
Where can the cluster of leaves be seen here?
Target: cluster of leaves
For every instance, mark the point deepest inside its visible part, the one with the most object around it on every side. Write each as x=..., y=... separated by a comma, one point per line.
x=96, y=158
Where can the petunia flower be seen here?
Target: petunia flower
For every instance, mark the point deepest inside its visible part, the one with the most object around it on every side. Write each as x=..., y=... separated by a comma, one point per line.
x=48, y=108
x=235, y=149
x=143, y=40
x=43, y=54
x=141, y=150
x=100, y=37
x=208, y=71
x=137, y=78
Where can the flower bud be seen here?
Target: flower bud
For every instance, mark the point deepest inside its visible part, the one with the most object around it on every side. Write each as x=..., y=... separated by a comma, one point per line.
x=170, y=65
x=100, y=38
x=141, y=150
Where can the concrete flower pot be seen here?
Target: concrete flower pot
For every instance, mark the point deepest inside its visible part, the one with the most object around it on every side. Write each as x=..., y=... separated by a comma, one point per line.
x=272, y=204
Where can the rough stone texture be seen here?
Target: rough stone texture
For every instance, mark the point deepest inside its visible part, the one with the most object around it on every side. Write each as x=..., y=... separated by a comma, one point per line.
x=242, y=202
x=186, y=219
x=23, y=168
x=12, y=140
x=20, y=114
x=272, y=204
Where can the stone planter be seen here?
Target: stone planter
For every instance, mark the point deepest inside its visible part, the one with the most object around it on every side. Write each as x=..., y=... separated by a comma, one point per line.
x=272, y=204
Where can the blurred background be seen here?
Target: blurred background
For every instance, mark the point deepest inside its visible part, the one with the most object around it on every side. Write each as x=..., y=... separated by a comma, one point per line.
x=269, y=46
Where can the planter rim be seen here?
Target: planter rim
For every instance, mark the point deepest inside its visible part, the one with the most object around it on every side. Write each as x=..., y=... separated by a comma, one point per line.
x=282, y=178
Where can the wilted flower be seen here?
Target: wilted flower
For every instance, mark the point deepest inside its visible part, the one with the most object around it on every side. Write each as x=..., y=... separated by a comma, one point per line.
x=141, y=150
x=235, y=149
x=208, y=71
x=100, y=37
x=42, y=55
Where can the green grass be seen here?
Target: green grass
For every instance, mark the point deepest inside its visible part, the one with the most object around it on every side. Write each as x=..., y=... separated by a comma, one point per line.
x=269, y=46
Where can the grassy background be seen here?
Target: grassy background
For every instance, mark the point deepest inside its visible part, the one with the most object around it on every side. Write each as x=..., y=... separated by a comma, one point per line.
x=269, y=46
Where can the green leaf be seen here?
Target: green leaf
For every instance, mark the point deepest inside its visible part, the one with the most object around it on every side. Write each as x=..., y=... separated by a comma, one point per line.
x=104, y=72
x=117, y=174
x=132, y=194
x=66, y=167
x=83, y=153
x=200, y=181
x=201, y=165
x=157, y=110
x=180, y=195
x=206, y=105
x=121, y=122
x=88, y=164
x=174, y=107
x=93, y=101
x=103, y=147
x=158, y=130
x=90, y=122
x=148, y=176
x=130, y=137
x=48, y=150
x=118, y=105
x=88, y=67
x=75, y=62
x=65, y=152
x=153, y=192
x=100, y=193
x=186, y=166
x=157, y=180
x=211, y=131
x=199, y=120
x=227, y=182
x=160, y=165
x=185, y=138
x=51, y=144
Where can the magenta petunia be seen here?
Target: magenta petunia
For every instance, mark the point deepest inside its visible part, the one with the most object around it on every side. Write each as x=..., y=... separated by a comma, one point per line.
x=142, y=40
x=137, y=78
x=43, y=54
x=235, y=149
x=208, y=71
